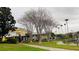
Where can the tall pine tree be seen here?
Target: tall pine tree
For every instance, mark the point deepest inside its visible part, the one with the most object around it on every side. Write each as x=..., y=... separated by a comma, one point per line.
x=7, y=21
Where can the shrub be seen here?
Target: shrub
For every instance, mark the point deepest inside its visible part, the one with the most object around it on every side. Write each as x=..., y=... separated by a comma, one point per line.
x=8, y=40
x=0, y=40
x=4, y=39
x=12, y=40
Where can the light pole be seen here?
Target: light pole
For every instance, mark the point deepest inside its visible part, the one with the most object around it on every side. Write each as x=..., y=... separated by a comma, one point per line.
x=67, y=25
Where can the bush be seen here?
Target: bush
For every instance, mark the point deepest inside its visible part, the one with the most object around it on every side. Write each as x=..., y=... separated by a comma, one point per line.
x=4, y=39
x=0, y=40
x=8, y=40
x=11, y=40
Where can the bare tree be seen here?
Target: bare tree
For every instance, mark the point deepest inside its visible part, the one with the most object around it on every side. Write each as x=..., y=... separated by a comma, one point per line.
x=40, y=19
x=29, y=27
x=49, y=24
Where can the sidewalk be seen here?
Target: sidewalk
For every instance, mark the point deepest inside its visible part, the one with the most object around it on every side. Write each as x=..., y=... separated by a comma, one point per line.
x=46, y=48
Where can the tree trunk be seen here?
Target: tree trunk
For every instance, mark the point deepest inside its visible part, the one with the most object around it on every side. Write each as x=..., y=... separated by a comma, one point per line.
x=77, y=44
x=30, y=40
x=38, y=34
x=48, y=37
x=1, y=38
x=39, y=39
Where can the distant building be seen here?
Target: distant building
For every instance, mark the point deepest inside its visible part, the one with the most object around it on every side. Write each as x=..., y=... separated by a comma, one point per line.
x=17, y=32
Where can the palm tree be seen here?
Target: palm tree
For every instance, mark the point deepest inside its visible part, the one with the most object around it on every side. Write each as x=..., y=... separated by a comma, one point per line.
x=58, y=29
x=67, y=25
x=61, y=28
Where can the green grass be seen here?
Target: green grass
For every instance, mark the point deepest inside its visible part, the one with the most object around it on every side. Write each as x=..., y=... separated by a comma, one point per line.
x=18, y=47
x=55, y=45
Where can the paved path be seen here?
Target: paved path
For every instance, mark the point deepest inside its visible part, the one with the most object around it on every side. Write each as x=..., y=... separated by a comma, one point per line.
x=46, y=48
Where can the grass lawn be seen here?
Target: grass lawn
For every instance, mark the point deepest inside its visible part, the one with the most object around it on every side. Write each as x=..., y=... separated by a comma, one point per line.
x=18, y=47
x=55, y=45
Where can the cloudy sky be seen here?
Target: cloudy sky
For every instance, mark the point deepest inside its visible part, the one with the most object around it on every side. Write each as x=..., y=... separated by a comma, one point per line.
x=58, y=13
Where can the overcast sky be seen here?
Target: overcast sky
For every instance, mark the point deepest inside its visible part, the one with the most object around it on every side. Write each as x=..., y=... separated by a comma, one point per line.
x=58, y=13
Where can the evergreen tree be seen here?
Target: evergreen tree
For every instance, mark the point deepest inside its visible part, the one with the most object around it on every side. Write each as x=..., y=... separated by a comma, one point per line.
x=7, y=21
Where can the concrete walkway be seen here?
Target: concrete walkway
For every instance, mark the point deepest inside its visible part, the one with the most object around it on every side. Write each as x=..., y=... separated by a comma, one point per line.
x=46, y=48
